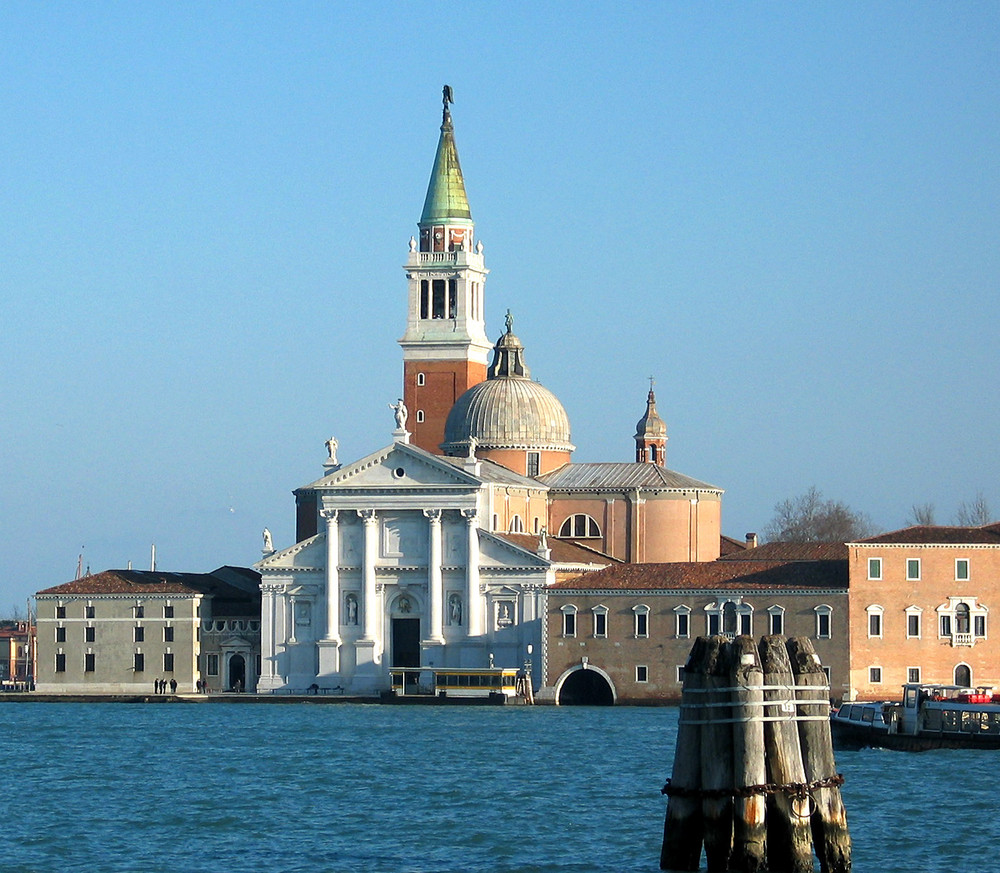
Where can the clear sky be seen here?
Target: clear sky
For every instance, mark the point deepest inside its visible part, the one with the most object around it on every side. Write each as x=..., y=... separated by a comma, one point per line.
x=785, y=212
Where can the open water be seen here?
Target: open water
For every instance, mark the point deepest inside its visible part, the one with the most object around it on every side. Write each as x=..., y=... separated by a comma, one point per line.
x=109, y=788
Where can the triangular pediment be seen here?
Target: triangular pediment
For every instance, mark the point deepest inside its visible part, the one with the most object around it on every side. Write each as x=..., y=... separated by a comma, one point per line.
x=397, y=466
x=308, y=554
x=497, y=552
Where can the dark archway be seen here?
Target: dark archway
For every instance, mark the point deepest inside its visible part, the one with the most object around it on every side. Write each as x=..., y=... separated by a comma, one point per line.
x=963, y=676
x=586, y=688
x=237, y=673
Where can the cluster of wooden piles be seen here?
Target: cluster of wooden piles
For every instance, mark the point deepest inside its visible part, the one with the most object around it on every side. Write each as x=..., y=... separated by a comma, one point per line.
x=754, y=778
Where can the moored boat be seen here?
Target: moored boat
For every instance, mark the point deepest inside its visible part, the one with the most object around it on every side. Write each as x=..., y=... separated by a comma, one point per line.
x=928, y=717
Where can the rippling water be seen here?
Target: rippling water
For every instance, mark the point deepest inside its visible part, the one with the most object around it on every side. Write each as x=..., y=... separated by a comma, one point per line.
x=111, y=788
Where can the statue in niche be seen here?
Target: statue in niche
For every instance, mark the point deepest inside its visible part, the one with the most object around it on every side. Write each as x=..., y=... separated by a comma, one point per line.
x=351, y=609
x=331, y=450
x=268, y=542
x=404, y=605
x=399, y=408
x=454, y=609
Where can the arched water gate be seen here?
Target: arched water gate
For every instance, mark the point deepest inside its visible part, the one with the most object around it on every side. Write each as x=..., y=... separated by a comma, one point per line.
x=585, y=685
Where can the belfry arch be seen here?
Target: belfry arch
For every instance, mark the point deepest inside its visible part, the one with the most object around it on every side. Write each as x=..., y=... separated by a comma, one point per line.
x=585, y=685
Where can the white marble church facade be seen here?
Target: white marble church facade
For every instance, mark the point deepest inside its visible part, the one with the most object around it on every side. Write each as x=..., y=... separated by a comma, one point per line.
x=403, y=571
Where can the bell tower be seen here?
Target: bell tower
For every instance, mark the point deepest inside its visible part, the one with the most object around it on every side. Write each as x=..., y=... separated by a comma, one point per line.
x=445, y=348
x=651, y=434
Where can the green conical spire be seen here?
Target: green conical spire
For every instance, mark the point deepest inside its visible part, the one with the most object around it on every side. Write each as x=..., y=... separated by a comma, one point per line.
x=446, y=198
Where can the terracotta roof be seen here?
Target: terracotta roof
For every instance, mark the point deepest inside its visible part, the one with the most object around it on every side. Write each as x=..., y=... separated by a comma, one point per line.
x=562, y=551
x=939, y=534
x=731, y=546
x=741, y=575
x=618, y=476
x=148, y=582
x=780, y=551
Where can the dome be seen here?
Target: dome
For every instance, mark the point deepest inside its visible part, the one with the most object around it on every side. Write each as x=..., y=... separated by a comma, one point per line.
x=508, y=410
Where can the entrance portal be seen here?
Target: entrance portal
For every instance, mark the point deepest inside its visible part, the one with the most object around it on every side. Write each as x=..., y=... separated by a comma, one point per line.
x=586, y=688
x=237, y=673
x=406, y=642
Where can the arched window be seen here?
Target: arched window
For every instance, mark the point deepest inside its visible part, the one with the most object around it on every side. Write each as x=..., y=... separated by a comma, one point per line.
x=962, y=623
x=823, y=621
x=874, y=621
x=641, y=620
x=729, y=618
x=568, y=620
x=516, y=525
x=580, y=525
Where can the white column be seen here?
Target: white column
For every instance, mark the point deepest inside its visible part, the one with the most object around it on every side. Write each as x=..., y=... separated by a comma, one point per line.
x=434, y=580
x=291, y=619
x=332, y=575
x=370, y=519
x=473, y=598
x=268, y=644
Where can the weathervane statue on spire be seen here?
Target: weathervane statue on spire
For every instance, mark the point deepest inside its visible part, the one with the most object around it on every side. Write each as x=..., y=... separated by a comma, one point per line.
x=447, y=97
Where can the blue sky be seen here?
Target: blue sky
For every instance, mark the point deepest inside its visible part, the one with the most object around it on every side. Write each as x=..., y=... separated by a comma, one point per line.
x=787, y=213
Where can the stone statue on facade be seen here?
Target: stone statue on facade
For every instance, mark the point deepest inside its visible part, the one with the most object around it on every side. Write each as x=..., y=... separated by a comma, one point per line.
x=268, y=542
x=351, y=602
x=331, y=450
x=399, y=408
x=455, y=609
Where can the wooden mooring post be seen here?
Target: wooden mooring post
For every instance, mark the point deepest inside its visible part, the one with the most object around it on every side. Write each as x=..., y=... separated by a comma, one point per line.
x=754, y=780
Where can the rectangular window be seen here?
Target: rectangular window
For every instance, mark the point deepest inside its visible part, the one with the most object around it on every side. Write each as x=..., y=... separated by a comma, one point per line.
x=138, y=662
x=600, y=624
x=913, y=625
x=438, y=302
x=945, y=626
x=713, y=624
x=138, y=634
x=89, y=634
x=168, y=612
x=212, y=665
x=979, y=625
x=534, y=463
x=913, y=569
x=88, y=612
x=745, y=622
x=60, y=612
x=875, y=675
x=569, y=624
x=874, y=624
x=826, y=672
x=641, y=624
x=168, y=634
x=874, y=568
x=961, y=569
x=680, y=674
x=138, y=612
x=88, y=662
x=452, y=298
x=168, y=662
x=683, y=625
x=641, y=673
x=60, y=662
x=60, y=635
x=912, y=674
x=425, y=305
x=776, y=623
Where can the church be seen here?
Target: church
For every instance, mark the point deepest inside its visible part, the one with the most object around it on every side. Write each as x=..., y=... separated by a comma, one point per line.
x=436, y=551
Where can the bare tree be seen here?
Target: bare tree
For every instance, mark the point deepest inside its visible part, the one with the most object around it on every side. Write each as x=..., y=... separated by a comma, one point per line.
x=974, y=513
x=809, y=518
x=922, y=514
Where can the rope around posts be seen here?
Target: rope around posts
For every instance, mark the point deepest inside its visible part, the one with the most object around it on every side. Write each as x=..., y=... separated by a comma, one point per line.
x=803, y=802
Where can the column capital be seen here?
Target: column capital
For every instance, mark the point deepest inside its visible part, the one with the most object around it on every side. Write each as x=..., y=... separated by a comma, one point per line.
x=471, y=516
x=434, y=515
x=330, y=515
x=369, y=516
